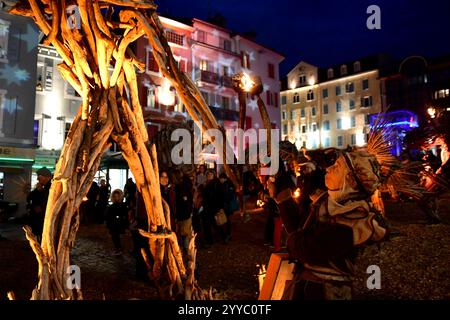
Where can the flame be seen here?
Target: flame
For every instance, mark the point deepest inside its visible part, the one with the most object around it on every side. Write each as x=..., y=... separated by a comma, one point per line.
x=246, y=82
x=297, y=193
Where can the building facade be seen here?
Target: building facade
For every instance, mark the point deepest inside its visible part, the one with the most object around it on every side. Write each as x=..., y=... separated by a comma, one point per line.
x=210, y=55
x=18, y=52
x=417, y=83
x=330, y=107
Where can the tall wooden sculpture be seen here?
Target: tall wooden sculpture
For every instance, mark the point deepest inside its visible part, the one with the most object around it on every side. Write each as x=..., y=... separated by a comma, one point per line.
x=110, y=110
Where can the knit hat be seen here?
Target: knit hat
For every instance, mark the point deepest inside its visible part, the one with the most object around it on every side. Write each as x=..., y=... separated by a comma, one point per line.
x=44, y=172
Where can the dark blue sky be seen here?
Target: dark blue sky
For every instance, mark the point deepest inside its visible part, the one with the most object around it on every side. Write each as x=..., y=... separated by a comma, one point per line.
x=329, y=32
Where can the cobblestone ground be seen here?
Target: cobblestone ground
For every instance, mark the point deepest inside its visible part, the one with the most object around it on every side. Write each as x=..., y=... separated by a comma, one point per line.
x=414, y=264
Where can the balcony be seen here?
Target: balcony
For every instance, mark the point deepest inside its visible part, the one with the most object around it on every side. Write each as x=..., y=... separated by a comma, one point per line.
x=207, y=76
x=226, y=82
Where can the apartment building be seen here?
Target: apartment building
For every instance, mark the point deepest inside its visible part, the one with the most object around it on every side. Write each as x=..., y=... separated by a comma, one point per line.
x=210, y=55
x=330, y=107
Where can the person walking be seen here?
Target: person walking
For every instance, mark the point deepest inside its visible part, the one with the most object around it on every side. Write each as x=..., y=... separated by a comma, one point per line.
x=168, y=194
x=37, y=201
x=200, y=178
x=116, y=219
x=102, y=200
x=129, y=191
x=212, y=203
x=230, y=203
x=184, y=206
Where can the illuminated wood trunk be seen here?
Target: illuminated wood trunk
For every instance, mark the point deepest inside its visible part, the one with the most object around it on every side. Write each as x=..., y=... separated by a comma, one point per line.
x=110, y=111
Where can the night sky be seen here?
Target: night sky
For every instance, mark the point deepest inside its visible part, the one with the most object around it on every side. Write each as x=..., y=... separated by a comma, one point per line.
x=329, y=32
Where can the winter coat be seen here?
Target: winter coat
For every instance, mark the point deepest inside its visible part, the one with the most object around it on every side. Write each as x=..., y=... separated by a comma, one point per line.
x=212, y=198
x=117, y=217
x=184, y=200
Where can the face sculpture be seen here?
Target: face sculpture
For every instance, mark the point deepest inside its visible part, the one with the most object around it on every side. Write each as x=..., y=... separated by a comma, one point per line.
x=339, y=180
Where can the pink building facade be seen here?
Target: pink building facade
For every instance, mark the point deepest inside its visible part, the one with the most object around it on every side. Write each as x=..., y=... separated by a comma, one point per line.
x=210, y=55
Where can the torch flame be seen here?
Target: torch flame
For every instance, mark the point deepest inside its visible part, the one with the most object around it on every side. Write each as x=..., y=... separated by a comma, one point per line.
x=246, y=82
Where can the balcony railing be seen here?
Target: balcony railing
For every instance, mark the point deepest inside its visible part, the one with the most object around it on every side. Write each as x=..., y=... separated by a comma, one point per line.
x=226, y=82
x=207, y=76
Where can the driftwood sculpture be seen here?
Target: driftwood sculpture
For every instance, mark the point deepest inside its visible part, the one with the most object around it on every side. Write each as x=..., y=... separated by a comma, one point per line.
x=110, y=110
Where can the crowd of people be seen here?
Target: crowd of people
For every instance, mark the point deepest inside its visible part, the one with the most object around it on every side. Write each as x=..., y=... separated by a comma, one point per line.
x=200, y=203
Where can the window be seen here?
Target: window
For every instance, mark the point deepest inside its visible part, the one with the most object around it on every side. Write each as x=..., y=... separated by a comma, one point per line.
x=357, y=66
x=304, y=144
x=302, y=112
x=339, y=123
x=292, y=127
x=330, y=73
x=270, y=98
x=70, y=91
x=351, y=104
x=226, y=103
x=225, y=44
x=353, y=122
x=66, y=130
x=151, y=63
x=175, y=38
x=310, y=95
x=349, y=87
x=292, y=115
x=338, y=106
x=338, y=90
x=151, y=98
x=181, y=65
x=302, y=79
x=204, y=65
x=343, y=70
x=325, y=93
x=444, y=93
x=36, y=132
x=225, y=71
x=201, y=36
x=285, y=128
x=366, y=102
x=303, y=129
x=325, y=109
x=283, y=115
x=205, y=96
x=340, y=141
x=326, y=125
x=271, y=70
x=48, y=78
x=283, y=100
x=296, y=98
x=40, y=75
x=314, y=127
x=245, y=59
x=367, y=119
x=275, y=99
x=327, y=142
x=4, y=35
x=353, y=139
x=313, y=111
x=365, y=84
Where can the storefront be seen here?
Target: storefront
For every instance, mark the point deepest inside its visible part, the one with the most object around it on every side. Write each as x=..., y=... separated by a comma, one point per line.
x=15, y=175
